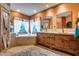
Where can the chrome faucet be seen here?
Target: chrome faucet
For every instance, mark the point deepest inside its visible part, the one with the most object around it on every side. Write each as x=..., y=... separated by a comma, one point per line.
x=63, y=30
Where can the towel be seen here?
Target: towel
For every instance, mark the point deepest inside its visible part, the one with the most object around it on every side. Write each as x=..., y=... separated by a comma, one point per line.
x=76, y=34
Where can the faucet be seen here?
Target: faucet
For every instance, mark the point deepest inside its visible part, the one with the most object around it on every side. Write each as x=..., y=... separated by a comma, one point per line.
x=46, y=27
x=63, y=30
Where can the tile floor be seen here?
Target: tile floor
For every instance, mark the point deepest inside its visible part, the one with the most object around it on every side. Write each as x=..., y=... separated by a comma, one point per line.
x=31, y=50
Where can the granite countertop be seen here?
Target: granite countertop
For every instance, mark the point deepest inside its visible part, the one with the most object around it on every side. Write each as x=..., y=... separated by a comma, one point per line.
x=59, y=31
x=27, y=35
x=62, y=33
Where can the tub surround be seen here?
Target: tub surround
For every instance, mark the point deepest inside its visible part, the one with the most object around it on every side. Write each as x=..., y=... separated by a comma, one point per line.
x=26, y=35
x=26, y=39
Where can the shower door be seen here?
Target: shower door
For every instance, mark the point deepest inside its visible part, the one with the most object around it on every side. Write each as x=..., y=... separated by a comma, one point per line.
x=5, y=27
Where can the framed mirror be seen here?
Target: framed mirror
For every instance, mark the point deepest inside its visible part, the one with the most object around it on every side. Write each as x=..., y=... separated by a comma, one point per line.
x=64, y=19
x=46, y=22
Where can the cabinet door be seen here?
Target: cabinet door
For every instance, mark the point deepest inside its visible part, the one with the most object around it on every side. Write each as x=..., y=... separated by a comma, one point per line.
x=69, y=42
x=52, y=41
x=39, y=39
x=73, y=45
x=46, y=40
x=77, y=46
x=59, y=42
x=78, y=42
x=42, y=40
x=66, y=44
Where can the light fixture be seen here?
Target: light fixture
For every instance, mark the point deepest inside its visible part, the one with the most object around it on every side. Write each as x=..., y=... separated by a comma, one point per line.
x=35, y=11
x=18, y=10
x=47, y=5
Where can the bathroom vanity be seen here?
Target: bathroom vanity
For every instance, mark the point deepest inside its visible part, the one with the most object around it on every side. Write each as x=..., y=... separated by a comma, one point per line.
x=61, y=36
x=59, y=41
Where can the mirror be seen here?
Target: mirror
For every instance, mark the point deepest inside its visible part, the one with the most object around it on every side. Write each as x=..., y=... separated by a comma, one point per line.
x=46, y=22
x=64, y=20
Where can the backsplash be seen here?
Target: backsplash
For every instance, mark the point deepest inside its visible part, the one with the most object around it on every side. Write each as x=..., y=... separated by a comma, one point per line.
x=70, y=31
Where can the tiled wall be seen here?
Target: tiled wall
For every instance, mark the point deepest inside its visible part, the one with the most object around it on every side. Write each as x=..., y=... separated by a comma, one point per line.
x=19, y=41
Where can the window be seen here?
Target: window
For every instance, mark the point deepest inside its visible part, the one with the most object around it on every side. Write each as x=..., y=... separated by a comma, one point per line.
x=22, y=28
x=11, y=26
x=26, y=26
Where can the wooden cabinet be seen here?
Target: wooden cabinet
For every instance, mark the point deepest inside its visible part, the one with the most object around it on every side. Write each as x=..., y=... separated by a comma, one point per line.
x=43, y=39
x=40, y=39
x=52, y=41
x=59, y=42
x=62, y=42
x=66, y=41
x=47, y=40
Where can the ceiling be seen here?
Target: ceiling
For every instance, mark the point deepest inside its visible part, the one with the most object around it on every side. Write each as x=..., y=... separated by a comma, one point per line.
x=31, y=8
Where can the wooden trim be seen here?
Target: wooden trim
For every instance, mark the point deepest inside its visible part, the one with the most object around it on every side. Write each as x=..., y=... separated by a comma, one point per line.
x=19, y=13
x=4, y=8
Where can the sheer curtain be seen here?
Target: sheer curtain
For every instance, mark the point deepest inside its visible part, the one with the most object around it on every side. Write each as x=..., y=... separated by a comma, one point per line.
x=17, y=24
x=26, y=25
x=38, y=24
x=35, y=25
x=31, y=25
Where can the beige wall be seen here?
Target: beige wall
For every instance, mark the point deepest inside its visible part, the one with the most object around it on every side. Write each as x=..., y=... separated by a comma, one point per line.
x=18, y=14
x=73, y=7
